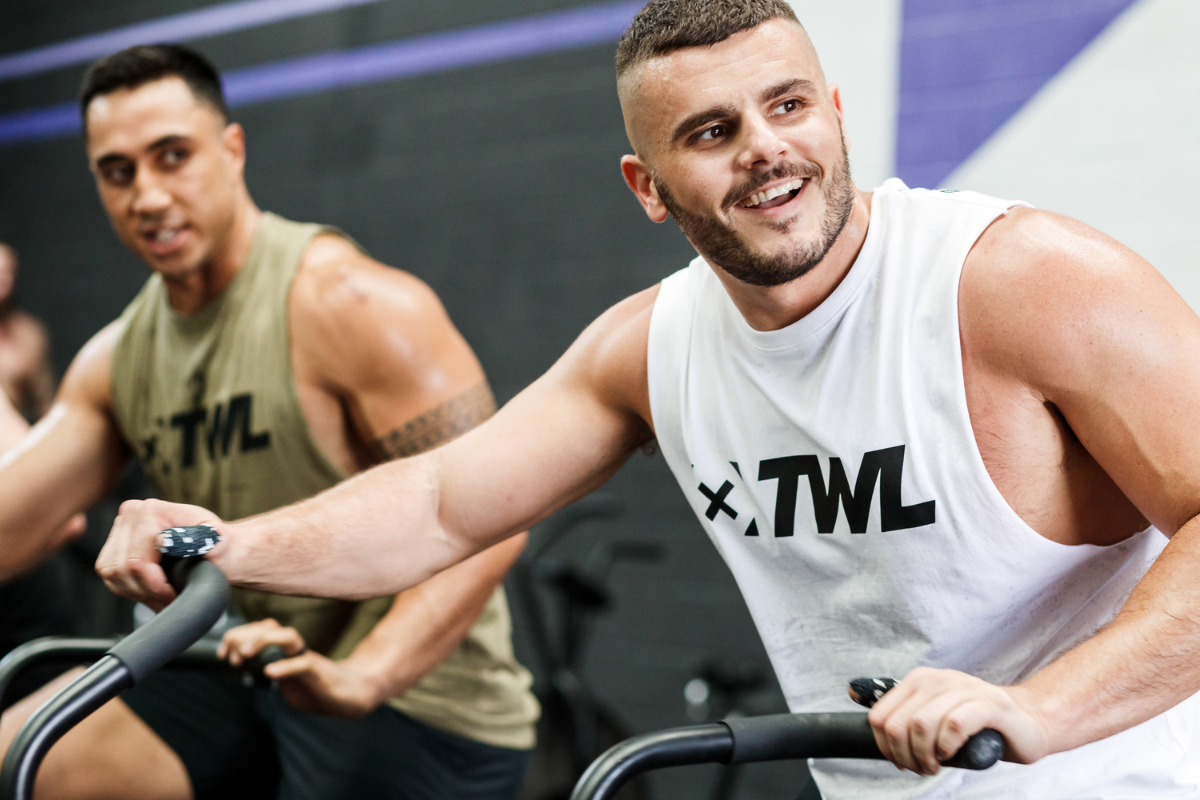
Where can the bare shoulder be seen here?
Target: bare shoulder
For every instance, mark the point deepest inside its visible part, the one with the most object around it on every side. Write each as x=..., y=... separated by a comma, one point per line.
x=609, y=357
x=350, y=312
x=337, y=279
x=89, y=377
x=1049, y=300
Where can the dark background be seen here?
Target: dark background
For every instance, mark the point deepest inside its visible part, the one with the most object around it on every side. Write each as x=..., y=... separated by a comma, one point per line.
x=499, y=186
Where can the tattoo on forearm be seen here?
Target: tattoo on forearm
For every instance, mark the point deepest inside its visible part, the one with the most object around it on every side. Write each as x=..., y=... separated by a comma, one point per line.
x=437, y=426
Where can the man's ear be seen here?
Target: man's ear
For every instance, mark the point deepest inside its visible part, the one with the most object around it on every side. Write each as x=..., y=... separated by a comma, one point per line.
x=835, y=97
x=234, y=140
x=641, y=182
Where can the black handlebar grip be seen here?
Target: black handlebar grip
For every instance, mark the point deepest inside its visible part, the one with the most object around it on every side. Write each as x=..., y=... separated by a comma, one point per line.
x=841, y=735
x=979, y=752
x=200, y=604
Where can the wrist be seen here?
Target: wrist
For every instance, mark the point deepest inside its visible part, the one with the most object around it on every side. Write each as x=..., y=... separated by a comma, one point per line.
x=1045, y=717
x=372, y=679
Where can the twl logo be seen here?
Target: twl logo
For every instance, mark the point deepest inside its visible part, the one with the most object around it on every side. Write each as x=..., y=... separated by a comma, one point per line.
x=883, y=467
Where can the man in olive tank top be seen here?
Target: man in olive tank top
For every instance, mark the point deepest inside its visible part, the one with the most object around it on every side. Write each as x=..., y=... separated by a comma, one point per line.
x=262, y=363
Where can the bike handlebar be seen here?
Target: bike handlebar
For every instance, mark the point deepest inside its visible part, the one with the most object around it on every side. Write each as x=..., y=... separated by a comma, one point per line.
x=204, y=596
x=749, y=739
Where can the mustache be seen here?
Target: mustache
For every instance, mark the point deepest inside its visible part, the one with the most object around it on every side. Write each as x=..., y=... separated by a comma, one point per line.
x=756, y=182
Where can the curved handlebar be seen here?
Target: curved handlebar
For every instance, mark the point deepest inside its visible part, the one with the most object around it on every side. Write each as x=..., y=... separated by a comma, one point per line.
x=203, y=599
x=748, y=739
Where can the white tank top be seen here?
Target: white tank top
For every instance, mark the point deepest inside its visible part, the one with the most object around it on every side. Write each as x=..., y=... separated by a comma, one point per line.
x=834, y=466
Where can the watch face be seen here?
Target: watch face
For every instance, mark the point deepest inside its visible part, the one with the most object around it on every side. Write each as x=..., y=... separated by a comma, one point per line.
x=188, y=541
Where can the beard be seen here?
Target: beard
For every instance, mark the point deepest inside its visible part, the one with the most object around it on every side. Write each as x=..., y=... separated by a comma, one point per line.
x=721, y=246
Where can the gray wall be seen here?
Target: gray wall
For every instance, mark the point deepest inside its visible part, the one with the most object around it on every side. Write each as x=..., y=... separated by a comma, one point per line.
x=500, y=187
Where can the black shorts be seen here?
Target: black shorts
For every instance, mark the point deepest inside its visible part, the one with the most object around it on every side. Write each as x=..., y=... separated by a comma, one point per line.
x=248, y=742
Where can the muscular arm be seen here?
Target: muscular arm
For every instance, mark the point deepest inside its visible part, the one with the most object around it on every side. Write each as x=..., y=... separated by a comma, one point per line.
x=397, y=524
x=380, y=342
x=1088, y=328
x=63, y=465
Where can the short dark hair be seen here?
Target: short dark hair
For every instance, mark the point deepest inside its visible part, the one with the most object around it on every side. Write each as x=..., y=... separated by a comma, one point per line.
x=145, y=63
x=667, y=25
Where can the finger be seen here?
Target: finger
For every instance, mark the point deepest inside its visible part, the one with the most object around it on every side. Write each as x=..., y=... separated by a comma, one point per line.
x=253, y=639
x=234, y=638
x=903, y=719
x=959, y=723
x=926, y=721
x=882, y=712
x=303, y=666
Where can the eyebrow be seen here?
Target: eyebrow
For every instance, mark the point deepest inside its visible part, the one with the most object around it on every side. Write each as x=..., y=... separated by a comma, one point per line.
x=157, y=144
x=702, y=118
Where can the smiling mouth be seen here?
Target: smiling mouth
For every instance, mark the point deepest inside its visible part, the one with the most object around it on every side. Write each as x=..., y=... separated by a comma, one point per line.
x=773, y=198
x=163, y=237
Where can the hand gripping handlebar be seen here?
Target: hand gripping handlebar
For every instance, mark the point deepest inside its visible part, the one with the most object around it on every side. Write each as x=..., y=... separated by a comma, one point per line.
x=748, y=739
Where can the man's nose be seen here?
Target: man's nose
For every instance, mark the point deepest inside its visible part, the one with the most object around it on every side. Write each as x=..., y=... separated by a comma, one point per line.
x=759, y=143
x=150, y=197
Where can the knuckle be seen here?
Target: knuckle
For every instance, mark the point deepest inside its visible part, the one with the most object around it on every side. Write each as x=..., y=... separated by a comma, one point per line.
x=895, y=731
x=955, y=723
x=922, y=724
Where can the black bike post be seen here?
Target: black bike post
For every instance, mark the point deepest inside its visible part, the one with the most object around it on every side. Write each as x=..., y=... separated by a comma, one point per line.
x=201, y=602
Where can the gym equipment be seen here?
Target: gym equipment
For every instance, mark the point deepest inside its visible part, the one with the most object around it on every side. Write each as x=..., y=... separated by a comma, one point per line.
x=576, y=725
x=744, y=740
x=168, y=639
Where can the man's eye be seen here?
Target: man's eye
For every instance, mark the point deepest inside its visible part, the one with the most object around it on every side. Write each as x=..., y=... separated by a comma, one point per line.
x=120, y=175
x=713, y=132
x=786, y=107
x=173, y=158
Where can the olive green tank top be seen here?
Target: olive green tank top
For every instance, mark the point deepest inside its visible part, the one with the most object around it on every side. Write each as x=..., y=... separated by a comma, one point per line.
x=208, y=403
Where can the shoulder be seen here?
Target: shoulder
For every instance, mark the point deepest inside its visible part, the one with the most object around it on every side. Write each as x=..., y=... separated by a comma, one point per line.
x=89, y=376
x=355, y=319
x=1046, y=298
x=337, y=284
x=609, y=357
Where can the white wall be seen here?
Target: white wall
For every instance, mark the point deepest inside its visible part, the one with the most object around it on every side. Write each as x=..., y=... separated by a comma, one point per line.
x=859, y=45
x=1114, y=140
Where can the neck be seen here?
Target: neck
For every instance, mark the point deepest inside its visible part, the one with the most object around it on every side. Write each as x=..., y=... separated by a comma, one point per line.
x=193, y=291
x=770, y=308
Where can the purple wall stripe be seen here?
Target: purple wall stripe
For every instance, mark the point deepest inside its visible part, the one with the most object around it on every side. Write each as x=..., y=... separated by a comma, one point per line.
x=967, y=66
x=483, y=44
x=210, y=21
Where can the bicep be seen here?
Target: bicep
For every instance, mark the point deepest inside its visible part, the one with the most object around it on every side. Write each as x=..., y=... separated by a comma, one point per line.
x=1095, y=330
x=1133, y=399
x=559, y=439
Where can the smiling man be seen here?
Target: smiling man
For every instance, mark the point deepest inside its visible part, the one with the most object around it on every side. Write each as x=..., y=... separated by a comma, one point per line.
x=933, y=434
x=264, y=361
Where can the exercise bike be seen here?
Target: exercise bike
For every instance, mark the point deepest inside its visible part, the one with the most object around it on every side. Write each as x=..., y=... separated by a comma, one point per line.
x=173, y=639
x=745, y=740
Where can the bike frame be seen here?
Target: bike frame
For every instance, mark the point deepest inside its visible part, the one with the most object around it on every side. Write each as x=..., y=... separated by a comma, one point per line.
x=204, y=596
x=750, y=739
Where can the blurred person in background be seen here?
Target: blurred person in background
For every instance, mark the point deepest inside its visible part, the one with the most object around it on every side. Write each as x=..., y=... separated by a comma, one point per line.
x=25, y=370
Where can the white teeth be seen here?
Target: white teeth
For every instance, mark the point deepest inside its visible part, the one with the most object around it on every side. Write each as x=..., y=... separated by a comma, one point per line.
x=166, y=235
x=762, y=197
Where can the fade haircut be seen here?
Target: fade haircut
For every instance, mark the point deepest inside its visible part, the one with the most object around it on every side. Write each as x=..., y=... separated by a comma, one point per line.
x=146, y=63
x=664, y=26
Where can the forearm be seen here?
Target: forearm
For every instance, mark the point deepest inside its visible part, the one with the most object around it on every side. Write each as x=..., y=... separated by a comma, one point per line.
x=428, y=622
x=1143, y=663
x=33, y=510
x=375, y=534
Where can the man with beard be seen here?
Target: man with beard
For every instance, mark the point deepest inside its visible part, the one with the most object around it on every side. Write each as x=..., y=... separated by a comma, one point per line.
x=264, y=361
x=991, y=408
